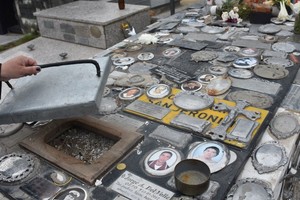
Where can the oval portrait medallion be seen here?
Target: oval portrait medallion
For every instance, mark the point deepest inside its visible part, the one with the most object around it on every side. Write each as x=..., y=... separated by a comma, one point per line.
x=161, y=161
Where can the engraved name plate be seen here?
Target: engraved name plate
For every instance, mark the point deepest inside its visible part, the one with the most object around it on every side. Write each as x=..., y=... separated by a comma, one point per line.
x=257, y=85
x=175, y=138
x=135, y=187
x=148, y=109
x=198, y=125
x=243, y=130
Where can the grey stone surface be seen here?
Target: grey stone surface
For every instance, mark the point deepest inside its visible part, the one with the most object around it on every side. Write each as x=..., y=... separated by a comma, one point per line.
x=89, y=26
x=94, y=12
x=10, y=37
x=60, y=92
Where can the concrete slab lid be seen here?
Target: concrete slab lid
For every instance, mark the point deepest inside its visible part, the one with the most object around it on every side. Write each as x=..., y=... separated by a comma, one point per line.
x=97, y=12
x=56, y=93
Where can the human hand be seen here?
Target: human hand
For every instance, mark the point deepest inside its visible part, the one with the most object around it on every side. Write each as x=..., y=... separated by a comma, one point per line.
x=19, y=66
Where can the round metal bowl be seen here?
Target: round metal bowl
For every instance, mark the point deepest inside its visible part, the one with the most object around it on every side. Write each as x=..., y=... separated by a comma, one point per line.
x=191, y=177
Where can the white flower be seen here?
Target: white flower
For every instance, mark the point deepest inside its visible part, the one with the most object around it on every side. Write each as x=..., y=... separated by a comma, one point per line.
x=231, y=14
x=225, y=16
x=147, y=39
x=239, y=20
x=235, y=9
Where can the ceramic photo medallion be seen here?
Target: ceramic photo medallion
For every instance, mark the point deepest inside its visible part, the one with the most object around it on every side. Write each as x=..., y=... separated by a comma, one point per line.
x=217, y=70
x=145, y=56
x=123, y=61
x=193, y=100
x=268, y=157
x=206, y=78
x=270, y=71
x=250, y=188
x=72, y=193
x=161, y=161
x=249, y=52
x=130, y=93
x=158, y=91
x=245, y=62
x=240, y=73
x=231, y=49
x=214, y=154
x=191, y=86
x=171, y=52
x=284, y=125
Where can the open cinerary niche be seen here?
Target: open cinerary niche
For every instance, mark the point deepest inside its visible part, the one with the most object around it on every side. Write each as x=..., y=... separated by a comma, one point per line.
x=87, y=148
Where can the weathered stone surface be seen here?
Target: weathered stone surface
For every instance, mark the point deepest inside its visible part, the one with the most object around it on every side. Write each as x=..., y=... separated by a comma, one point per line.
x=91, y=22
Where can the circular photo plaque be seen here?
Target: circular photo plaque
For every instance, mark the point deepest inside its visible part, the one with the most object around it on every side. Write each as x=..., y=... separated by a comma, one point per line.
x=158, y=91
x=191, y=86
x=214, y=154
x=130, y=93
x=161, y=161
x=206, y=78
x=245, y=62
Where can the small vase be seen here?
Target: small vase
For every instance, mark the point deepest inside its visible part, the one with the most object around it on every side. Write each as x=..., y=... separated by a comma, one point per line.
x=297, y=24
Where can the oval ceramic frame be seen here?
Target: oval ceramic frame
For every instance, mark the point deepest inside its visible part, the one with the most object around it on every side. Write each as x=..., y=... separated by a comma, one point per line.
x=218, y=162
x=158, y=91
x=130, y=93
x=153, y=155
x=191, y=86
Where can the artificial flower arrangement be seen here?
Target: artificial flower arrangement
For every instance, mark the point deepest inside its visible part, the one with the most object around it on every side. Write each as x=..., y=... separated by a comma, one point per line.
x=232, y=16
x=234, y=11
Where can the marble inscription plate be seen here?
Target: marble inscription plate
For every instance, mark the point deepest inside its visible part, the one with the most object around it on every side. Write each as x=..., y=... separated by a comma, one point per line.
x=135, y=187
x=257, y=85
x=148, y=109
x=251, y=44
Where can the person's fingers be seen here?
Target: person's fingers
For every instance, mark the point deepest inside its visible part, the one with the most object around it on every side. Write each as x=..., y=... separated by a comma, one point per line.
x=31, y=70
x=30, y=61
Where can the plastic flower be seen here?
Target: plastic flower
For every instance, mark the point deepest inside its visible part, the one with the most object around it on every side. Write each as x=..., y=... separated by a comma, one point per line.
x=225, y=16
x=232, y=16
x=235, y=9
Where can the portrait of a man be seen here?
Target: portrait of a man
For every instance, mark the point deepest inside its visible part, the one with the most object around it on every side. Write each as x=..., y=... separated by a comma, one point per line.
x=213, y=154
x=161, y=161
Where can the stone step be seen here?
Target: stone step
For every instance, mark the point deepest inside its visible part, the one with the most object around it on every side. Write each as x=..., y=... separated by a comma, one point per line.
x=91, y=23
